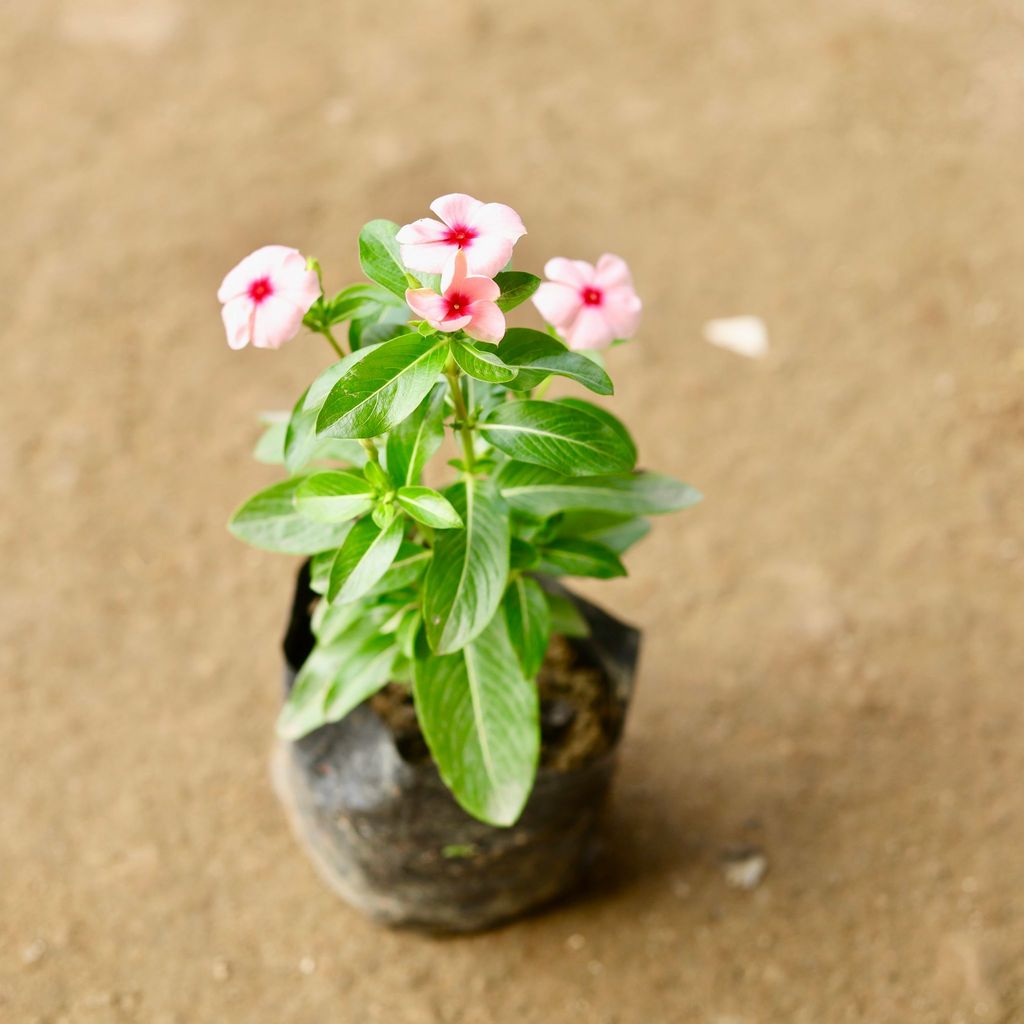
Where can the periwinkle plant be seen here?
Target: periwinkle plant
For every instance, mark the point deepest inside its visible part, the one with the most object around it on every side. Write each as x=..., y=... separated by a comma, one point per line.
x=438, y=589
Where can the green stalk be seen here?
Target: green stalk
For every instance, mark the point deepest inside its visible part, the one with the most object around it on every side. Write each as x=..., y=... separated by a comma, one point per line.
x=451, y=371
x=326, y=331
x=371, y=449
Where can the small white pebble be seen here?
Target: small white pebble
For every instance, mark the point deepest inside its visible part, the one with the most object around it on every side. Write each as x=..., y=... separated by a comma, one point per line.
x=576, y=942
x=220, y=969
x=595, y=967
x=307, y=965
x=746, y=870
x=744, y=335
x=33, y=952
x=969, y=885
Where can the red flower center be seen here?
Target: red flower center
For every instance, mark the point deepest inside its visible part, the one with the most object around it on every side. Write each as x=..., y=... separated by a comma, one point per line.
x=458, y=304
x=260, y=289
x=592, y=296
x=461, y=235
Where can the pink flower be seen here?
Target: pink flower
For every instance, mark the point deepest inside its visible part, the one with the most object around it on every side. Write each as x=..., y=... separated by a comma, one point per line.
x=589, y=306
x=266, y=296
x=485, y=232
x=468, y=303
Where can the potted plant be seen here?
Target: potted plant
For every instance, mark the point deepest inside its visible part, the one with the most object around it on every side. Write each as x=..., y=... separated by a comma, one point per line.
x=451, y=711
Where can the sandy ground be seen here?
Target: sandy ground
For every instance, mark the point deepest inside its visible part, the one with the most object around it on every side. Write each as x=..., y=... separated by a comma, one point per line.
x=834, y=640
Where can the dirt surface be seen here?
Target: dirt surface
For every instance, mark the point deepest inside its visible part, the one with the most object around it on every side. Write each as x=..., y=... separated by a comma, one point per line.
x=834, y=648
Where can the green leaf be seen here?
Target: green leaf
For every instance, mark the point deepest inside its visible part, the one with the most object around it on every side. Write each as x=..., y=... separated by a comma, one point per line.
x=363, y=559
x=412, y=442
x=566, y=618
x=614, y=531
x=330, y=621
x=269, y=520
x=468, y=572
x=357, y=302
x=485, y=397
x=529, y=622
x=376, y=477
x=303, y=711
x=337, y=677
x=541, y=492
x=387, y=323
x=480, y=718
x=270, y=447
x=480, y=364
x=409, y=565
x=573, y=556
x=426, y=506
x=383, y=514
x=538, y=355
x=522, y=555
x=516, y=287
x=320, y=569
x=367, y=670
x=380, y=257
x=334, y=496
x=301, y=443
x=613, y=423
x=383, y=388
x=405, y=635
x=569, y=440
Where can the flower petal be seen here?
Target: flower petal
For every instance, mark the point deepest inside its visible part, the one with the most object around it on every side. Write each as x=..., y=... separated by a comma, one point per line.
x=498, y=219
x=557, y=303
x=425, y=302
x=478, y=289
x=454, y=272
x=612, y=271
x=573, y=272
x=453, y=325
x=487, y=254
x=455, y=208
x=261, y=263
x=426, y=229
x=622, y=310
x=590, y=329
x=237, y=317
x=293, y=281
x=487, y=323
x=276, y=320
x=430, y=257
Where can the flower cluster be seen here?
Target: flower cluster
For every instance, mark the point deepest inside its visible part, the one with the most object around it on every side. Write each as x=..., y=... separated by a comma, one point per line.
x=267, y=295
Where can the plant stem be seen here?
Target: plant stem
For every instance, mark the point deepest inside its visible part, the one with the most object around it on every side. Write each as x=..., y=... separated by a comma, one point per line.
x=466, y=431
x=326, y=331
x=371, y=449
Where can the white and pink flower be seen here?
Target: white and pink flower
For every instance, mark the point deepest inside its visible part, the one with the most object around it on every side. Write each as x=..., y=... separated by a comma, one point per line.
x=590, y=306
x=484, y=232
x=266, y=296
x=467, y=303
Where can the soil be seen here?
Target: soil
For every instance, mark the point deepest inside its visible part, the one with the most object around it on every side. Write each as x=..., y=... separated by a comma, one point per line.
x=579, y=719
x=833, y=649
